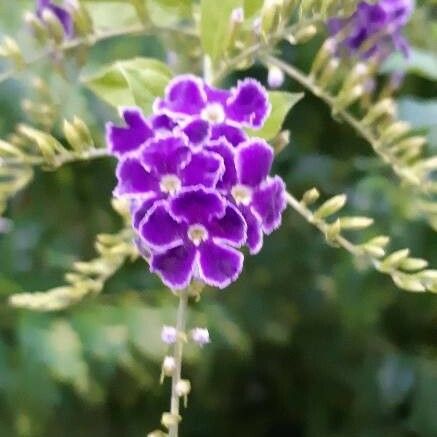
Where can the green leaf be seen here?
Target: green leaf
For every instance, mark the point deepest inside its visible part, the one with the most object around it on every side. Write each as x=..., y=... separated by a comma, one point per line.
x=215, y=24
x=168, y=12
x=281, y=102
x=133, y=82
x=107, y=14
x=56, y=345
x=419, y=62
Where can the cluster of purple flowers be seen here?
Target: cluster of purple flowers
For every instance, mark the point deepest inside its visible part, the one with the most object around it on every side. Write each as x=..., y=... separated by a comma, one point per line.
x=198, y=186
x=60, y=12
x=374, y=29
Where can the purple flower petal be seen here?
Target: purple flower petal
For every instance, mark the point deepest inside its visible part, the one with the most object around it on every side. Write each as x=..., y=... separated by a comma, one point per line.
x=61, y=13
x=269, y=202
x=134, y=179
x=380, y=23
x=249, y=104
x=165, y=155
x=122, y=140
x=219, y=265
x=253, y=161
x=229, y=229
x=160, y=230
x=197, y=131
x=254, y=230
x=140, y=208
x=184, y=95
x=205, y=168
x=175, y=266
x=197, y=205
x=216, y=95
x=232, y=134
x=142, y=249
x=226, y=151
x=163, y=122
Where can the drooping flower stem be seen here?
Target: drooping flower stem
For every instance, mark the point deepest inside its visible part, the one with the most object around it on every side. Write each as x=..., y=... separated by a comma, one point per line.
x=177, y=355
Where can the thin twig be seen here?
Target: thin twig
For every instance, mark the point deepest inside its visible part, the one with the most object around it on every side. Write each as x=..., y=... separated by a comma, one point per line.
x=177, y=355
x=400, y=169
x=322, y=226
x=90, y=40
x=59, y=161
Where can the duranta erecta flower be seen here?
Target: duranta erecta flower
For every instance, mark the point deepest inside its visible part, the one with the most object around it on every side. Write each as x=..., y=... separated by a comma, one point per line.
x=198, y=186
x=60, y=12
x=373, y=30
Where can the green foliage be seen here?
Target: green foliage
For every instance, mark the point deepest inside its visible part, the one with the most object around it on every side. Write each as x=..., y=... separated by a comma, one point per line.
x=215, y=25
x=308, y=342
x=281, y=103
x=132, y=82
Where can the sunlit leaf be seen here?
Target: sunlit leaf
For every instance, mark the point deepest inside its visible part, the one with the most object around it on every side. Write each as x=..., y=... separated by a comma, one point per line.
x=281, y=103
x=133, y=82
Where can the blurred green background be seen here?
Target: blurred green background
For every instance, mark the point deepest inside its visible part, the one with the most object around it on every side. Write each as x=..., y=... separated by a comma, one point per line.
x=306, y=343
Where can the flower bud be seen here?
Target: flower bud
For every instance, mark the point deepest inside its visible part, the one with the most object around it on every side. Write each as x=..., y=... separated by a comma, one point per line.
x=54, y=26
x=281, y=141
x=327, y=73
x=168, y=365
x=169, y=334
x=235, y=21
x=310, y=196
x=82, y=20
x=331, y=206
x=270, y=14
x=200, y=336
x=37, y=28
x=183, y=387
x=305, y=34
x=355, y=222
x=326, y=52
x=275, y=77
x=394, y=260
x=382, y=108
x=237, y=16
x=394, y=131
x=168, y=420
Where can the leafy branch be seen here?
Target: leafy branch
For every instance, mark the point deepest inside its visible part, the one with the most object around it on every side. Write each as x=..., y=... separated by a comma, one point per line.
x=391, y=139
x=408, y=273
x=85, y=278
x=11, y=50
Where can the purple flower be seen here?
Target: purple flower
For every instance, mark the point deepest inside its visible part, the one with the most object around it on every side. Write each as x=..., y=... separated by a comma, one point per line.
x=246, y=105
x=198, y=187
x=61, y=13
x=200, y=336
x=169, y=334
x=259, y=197
x=373, y=29
x=195, y=234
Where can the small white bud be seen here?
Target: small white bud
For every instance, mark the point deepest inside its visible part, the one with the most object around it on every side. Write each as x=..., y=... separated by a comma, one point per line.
x=237, y=16
x=169, y=334
x=183, y=387
x=256, y=26
x=168, y=365
x=275, y=77
x=200, y=336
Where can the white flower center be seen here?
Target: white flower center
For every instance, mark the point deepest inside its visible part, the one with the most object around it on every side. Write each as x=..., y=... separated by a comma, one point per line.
x=197, y=233
x=170, y=183
x=242, y=194
x=214, y=113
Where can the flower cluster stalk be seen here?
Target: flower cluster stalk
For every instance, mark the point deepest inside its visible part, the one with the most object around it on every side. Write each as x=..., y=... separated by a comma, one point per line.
x=177, y=355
